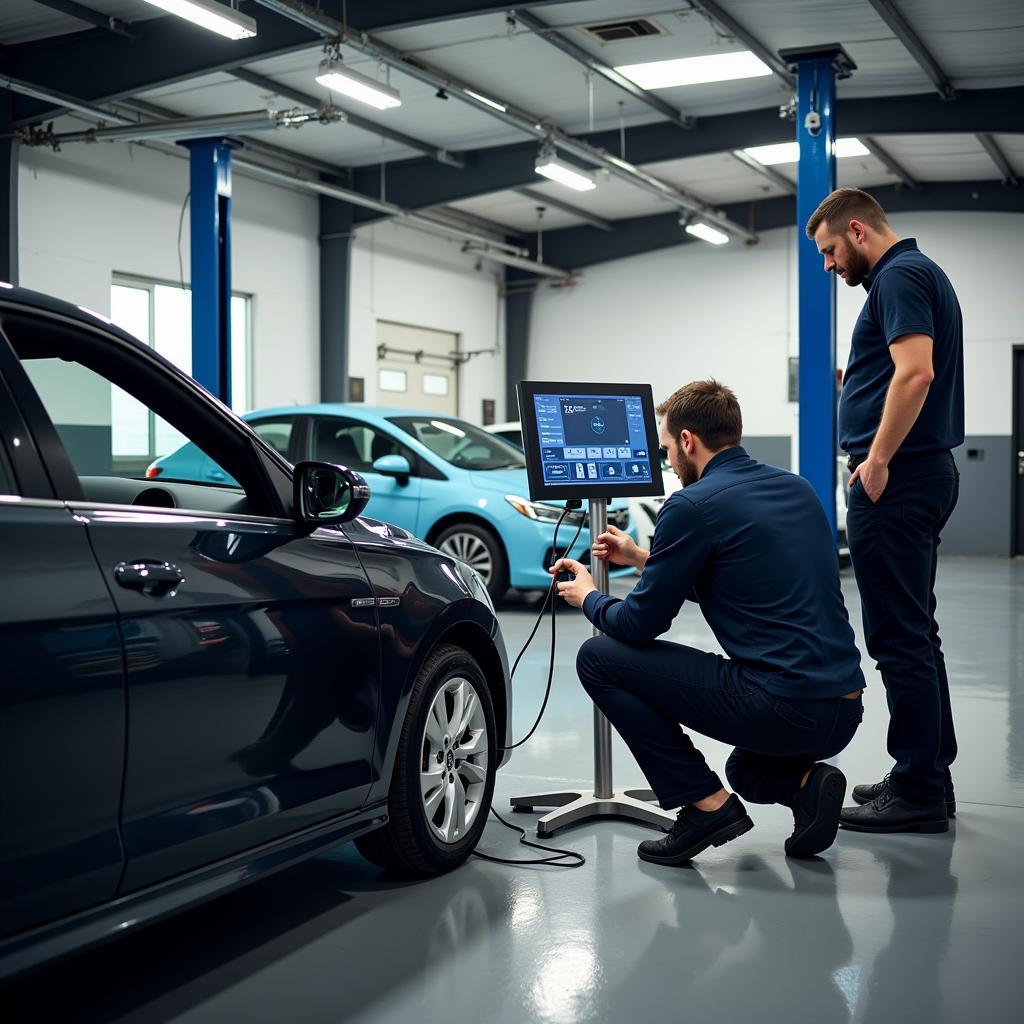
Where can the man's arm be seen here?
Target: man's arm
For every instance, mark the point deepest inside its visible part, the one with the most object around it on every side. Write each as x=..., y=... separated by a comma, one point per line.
x=908, y=389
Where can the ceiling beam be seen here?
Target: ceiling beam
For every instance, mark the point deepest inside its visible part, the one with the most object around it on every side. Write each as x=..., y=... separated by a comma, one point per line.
x=581, y=56
x=769, y=173
x=734, y=28
x=418, y=183
x=580, y=247
x=902, y=30
x=998, y=157
x=891, y=164
x=559, y=204
x=356, y=120
x=86, y=14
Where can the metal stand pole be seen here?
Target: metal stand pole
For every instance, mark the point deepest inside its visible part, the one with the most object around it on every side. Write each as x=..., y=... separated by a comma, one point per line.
x=605, y=801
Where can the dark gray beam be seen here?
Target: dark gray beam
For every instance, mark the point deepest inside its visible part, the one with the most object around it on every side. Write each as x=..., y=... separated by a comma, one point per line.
x=559, y=204
x=91, y=17
x=583, y=246
x=335, y=288
x=901, y=28
x=581, y=56
x=752, y=43
x=356, y=120
x=998, y=157
x=769, y=173
x=891, y=164
x=8, y=192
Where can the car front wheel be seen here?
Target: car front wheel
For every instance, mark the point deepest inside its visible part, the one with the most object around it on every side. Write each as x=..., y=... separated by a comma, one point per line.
x=481, y=550
x=444, y=770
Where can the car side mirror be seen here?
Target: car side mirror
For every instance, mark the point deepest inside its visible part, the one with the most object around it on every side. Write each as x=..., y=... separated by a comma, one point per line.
x=326, y=494
x=393, y=465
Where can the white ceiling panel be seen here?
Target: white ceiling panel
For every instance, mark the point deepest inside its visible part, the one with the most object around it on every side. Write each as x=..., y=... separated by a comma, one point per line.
x=22, y=21
x=941, y=157
x=1013, y=147
x=517, y=212
x=718, y=178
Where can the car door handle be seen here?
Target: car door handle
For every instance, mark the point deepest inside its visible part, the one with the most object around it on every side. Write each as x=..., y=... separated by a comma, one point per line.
x=153, y=579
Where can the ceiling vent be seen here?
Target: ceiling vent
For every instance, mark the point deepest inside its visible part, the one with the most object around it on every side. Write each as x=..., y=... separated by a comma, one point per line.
x=617, y=31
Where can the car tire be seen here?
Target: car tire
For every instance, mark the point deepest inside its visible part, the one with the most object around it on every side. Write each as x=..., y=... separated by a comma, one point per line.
x=423, y=835
x=480, y=548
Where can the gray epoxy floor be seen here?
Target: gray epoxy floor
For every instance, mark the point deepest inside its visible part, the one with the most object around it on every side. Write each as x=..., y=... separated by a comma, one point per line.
x=884, y=928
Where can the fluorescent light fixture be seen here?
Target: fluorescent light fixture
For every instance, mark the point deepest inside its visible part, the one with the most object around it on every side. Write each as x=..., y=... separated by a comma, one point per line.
x=219, y=18
x=565, y=174
x=716, y=67
x=336, y=76
x=707, y=233
x=789, y=152
x=486, y=99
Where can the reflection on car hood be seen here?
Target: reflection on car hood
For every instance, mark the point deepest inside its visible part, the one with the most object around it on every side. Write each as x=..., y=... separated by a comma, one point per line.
x=514, y=481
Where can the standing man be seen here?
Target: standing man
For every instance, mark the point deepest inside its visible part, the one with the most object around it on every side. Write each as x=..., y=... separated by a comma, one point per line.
x=901, y=411
x=750, y=544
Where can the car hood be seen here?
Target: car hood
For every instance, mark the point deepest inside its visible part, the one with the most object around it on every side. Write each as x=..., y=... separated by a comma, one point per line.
x=514, y=481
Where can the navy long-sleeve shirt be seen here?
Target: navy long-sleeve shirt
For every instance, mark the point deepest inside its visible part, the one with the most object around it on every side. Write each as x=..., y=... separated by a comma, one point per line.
x=751, y=545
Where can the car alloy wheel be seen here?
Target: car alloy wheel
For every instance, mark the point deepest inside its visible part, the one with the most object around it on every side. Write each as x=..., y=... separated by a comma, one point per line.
x=469, y=548
x=477, y=546
x=453, y=760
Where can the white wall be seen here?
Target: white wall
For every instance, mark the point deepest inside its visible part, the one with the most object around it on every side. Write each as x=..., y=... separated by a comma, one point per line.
x=730, y=312
x=91, y=211
x=409, y=277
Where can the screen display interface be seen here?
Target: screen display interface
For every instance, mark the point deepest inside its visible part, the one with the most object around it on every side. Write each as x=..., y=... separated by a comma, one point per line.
x=592, y=438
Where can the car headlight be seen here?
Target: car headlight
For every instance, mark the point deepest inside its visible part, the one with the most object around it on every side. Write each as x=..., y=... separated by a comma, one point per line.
x=543, y=513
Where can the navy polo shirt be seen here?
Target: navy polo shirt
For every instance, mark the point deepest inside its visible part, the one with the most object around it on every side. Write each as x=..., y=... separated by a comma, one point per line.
x=751, y=545
x=907, y=294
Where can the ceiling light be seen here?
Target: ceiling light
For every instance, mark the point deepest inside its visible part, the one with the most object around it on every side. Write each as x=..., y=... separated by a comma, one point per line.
x=564, y=173
x=716, y=67
x=333, y=74
x=219, y=18
x=707, y=233
x=484, y=99
x=789, y=152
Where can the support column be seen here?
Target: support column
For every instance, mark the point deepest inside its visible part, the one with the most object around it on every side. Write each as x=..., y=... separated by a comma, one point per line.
x=519, y=288
x=8, y=192
x=210, y=220
x=335, y=286
x=817, y=69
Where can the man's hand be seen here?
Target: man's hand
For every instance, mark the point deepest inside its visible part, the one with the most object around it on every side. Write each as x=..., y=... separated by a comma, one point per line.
x=873, y=476
x=618, y=548
x=575, y=593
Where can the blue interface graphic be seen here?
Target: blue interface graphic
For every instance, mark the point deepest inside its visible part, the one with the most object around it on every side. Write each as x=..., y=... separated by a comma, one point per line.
x=592, y=438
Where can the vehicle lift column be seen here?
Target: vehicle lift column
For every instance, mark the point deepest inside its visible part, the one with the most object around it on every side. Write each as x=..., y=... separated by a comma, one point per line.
x=816, y=70
x=210, y=221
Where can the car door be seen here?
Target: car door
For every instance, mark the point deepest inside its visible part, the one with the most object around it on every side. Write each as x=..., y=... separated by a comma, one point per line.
x=62, y=698
x=251, y=645
x=348, y=442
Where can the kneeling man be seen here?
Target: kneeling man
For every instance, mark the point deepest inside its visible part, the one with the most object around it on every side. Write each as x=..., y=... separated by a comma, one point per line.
x=751, y=545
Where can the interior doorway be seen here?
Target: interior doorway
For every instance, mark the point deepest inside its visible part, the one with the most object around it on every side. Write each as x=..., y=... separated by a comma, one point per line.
x=417, y=368
x=1017, y=483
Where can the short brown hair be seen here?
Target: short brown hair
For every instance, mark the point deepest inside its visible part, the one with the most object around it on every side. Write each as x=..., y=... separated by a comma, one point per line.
x=844, y=205
x=707, y=409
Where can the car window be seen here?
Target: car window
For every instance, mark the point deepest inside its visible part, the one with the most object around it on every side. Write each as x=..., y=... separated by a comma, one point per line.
x=276, y=432
x=512, y=436
x=356, y=445
x=462, y=444
x=124, y=420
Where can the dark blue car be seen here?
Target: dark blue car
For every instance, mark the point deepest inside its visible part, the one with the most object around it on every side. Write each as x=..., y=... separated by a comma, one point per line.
x=201, y=684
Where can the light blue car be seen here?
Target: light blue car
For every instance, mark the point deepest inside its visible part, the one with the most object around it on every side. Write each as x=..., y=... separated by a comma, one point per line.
x=453, y=484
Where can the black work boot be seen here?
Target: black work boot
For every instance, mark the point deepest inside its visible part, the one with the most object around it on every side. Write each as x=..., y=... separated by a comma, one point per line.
x=695, y=831
x=816, y=809
x=866, y=793
x=888, y=812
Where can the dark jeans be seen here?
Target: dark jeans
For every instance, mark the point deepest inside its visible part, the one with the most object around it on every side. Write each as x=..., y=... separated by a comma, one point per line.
x=648, y=693
x=894, y=545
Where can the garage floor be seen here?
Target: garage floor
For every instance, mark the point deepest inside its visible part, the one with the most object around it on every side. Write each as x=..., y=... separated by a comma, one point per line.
x=880, y=929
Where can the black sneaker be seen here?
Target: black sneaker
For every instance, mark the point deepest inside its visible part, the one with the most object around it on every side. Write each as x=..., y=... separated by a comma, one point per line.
x=891, y=813
x=864, y=794
x=816, y=810
x=695, y=831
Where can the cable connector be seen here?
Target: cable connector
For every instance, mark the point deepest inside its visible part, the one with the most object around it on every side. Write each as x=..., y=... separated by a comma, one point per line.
x=574, y=503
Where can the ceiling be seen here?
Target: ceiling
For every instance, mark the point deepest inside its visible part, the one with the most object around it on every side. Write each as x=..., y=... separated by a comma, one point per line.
x=978, y=46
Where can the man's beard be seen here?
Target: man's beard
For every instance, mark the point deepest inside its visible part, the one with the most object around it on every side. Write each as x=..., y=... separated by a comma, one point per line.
x=688, y=471
x=856, y=266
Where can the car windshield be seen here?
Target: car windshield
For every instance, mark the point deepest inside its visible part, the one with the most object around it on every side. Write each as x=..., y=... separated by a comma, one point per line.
x=460, y=443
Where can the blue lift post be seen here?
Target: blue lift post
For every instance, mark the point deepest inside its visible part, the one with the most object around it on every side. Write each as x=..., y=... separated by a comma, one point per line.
x=210, y=220
x=816, y=71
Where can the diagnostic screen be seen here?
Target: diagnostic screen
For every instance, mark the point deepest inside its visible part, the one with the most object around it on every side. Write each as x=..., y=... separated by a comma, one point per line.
x=596, y=444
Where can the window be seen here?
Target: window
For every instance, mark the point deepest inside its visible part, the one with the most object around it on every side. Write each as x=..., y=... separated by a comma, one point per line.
x=356, y=445
x=161, y=316
x=276, y=432
x=461, y=443
x=435, y=384
x=391, y=380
